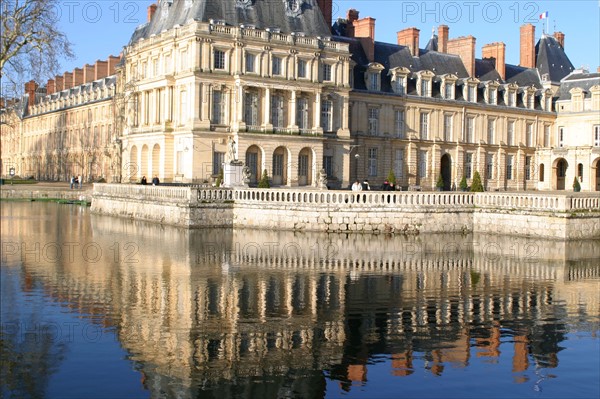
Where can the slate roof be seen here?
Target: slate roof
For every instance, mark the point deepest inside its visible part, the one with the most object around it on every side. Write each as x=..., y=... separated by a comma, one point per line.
x=260, y=13
x=551, y=59
x=582, y=80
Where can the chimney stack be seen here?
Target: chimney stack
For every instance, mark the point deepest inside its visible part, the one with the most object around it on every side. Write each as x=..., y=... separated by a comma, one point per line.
x=50, y=87
x=326, y=7
x=443, y=31
x=497, y=52
x=151, y=11
x=560, y=38
x=77, y=77
x=68, y=80
x=112, y=63
x=364, y=29
x=409, y=37
x=351, y=16
x=464, y=47
x=60, y=83
x=100, y=69
x=88, y=73
x=527, y=46
x=30, y=89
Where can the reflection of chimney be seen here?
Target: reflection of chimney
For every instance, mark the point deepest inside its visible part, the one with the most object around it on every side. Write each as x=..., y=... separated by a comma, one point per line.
x=326, y=9
x=30, y=88
x=50, y=87
x=497, y=52
x=409, y=37
x=112, y=63
x=88, y=73
x=464, y=47
x=443, y=31
x=77, y=77
x=151, y=11
x=560, y=38
x=364, y=29
x=68, y=80
x=60, y=83
x=527, y=46
x=100, y=69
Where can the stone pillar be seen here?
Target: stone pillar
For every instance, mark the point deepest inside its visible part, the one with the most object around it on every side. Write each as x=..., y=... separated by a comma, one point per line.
x=267, y=109
x=344, y=130
x=238, y=121
x=317, y=113
x=205, y=107
x=293, y=124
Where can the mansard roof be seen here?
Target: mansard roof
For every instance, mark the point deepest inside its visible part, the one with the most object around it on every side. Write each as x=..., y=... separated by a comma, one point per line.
x=522, y=76
x=578, y=79
x=261, y=14
x=551, y=59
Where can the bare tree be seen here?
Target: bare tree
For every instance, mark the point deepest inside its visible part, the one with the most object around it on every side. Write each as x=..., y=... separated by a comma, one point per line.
x=31, y=44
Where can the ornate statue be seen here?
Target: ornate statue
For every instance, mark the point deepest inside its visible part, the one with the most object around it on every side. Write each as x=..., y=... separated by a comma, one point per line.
x=231, y=153
x=246, y=175
x=323, y=179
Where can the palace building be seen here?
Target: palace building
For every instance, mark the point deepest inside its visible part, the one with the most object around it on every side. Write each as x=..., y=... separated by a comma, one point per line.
x=280, y=87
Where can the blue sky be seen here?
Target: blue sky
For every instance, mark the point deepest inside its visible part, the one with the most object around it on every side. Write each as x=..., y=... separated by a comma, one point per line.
x=100, y=28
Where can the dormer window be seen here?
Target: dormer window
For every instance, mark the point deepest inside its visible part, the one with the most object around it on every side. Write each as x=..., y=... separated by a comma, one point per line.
x=548, y=101
x=400, y=86
x=449, y=91
x=576, y=99
x=491, y=92
x=471, y=93
x=399, y=79
x=425, y=88
x=373, y=76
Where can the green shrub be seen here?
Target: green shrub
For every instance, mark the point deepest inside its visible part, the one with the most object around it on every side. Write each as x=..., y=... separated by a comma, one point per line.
x=463, y=184
x=440, y=182
x=476, y=186
x=264, y=180
x=219, y=180
x=576, y=185
x=391, y=178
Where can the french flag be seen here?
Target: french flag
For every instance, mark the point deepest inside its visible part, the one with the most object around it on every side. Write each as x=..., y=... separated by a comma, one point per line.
x=544, y=15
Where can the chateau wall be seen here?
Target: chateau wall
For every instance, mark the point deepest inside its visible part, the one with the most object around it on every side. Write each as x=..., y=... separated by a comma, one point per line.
x=536, y=215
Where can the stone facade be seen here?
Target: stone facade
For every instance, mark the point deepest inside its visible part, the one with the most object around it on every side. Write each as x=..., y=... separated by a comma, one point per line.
x=296, y=102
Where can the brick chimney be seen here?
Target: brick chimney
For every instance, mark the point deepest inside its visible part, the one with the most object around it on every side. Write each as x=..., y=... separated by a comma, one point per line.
x=409, y=37
x=527, y=46
x=68, y=80
x=364, y=29
x=60, y=83
x=100, y=69
x=30, y=89
x=497, y=52
x=88, y=73
x=351, y=16
x=443, y=31
x=560, y=38
x=77, y=77
x=326, y=7
x=464, y=47
x=151, y=11
x=50, y=87
x=112, y=63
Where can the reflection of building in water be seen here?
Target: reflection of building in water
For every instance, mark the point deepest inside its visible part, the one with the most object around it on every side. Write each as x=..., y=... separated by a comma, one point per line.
x=203, y=309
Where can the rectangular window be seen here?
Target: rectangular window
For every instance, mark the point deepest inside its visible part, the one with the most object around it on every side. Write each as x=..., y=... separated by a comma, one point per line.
x=218, y=159
x=219, y=59
x=251, y=109
x=511, y=98
x=303, y=165
x=373, y=81
x=218, y=108
x=372, y=161
x=301, y=68
x=447, y=127
x=399, y=163
x=492, y=96
x=327, y=115
x=471, y=94
x=276, y=66
x=425, y=88
x=326, y=72
x=424, y=125
x=183, y=61
x=561, y=136
x=422, y=164
x=302, y=112
x=277, y=164
x=530, y=101
x=548, y=100
x=597, y=136
x=529, y=135
x=509, y=167
x=167, y=59
x=399, y=123
x=510, y=132
x=528, y=168
x=373, y=121
x=470, y=131
x=449, y=91
x=468, y=165
x=277, y=110
x=489, y=166
x=400, y=86
x=250, y=61
x=155, y=70
x=491, y=125
x=546, y=136
x=328, y=165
